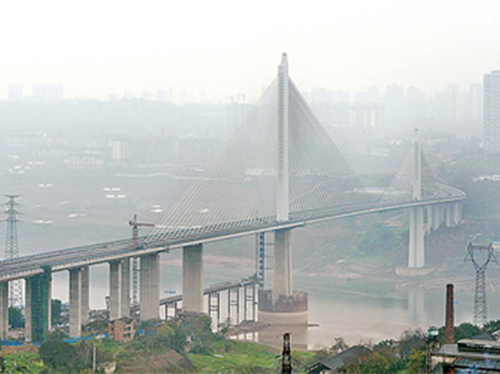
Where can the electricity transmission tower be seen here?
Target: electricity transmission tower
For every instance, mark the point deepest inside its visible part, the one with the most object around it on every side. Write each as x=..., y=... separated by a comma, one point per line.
x=12, y=249
x=480, y=256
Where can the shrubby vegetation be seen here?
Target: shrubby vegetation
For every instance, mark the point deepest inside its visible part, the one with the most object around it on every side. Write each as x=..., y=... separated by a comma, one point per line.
x=194, y=348
x=408, y=355
x=16, y=318
x=380, y=238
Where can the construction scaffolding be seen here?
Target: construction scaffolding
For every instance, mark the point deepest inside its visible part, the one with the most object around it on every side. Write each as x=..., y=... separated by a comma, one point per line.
x=12, y=248
x=39, y=286
x=480, y=256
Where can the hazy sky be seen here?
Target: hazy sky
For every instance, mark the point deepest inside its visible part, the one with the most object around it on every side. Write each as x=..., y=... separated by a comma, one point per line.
x=211, y=50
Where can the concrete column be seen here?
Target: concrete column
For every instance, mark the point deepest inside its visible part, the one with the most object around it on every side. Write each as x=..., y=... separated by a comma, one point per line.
x=430, y=216
x=85, y=295
x=449, y=214
x=75, y=302
x=28, y=311
x=436, y=219
x=38, y=306
x=4, y=310
x=192, y=278
x=114, y=290
x=49, y=304
x=282, y=276
x=150, y=287
x=457, y=213
x=283, y=206
x=125, y=288
x=416, y=256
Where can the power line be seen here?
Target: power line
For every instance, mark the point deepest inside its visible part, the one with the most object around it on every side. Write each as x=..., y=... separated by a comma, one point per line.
x=480, y=256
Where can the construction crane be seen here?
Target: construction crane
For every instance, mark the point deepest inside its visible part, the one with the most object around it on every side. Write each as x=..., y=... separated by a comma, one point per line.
x=135, y=261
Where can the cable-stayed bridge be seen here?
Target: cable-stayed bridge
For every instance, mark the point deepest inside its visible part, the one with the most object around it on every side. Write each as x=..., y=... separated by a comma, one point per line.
x=279, y=171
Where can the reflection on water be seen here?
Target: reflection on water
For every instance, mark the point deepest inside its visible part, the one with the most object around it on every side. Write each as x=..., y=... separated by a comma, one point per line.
x=274, y=336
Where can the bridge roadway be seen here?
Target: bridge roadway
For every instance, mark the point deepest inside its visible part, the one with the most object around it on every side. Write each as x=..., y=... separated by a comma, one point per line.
x=65, y=259
x=219, y=287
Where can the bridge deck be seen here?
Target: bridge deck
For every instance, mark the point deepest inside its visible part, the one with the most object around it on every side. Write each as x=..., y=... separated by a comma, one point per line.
x=65, y=259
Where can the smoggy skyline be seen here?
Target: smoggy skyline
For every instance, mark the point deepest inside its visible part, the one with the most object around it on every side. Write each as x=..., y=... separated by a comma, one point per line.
x=209, y=51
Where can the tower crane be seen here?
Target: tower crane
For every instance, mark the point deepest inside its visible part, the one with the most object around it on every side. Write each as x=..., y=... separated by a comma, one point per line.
x=135, y=261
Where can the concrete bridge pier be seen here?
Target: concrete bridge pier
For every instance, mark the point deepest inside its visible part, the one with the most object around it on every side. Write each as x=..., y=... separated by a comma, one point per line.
x=28, y=312
x=150, y=287
x=85, y=297
x=4, y=310
x=114, y=290
x=442, y=209
x=192, y=278
x=430, y=216
x=416, y=256
x=283, y=305
x=125, y=288
x=38, y=306
x=75, y=302
x=282, y=277
x=436, y=217
x=457, y=216
x=449, y=214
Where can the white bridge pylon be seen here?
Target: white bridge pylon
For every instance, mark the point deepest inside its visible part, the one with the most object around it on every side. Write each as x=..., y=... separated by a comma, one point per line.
x=280, y=165
x=414, y=181
x=279, y=170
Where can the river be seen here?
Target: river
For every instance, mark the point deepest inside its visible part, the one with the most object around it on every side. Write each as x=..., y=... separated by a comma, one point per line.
x=355, y=310
x=76, y=208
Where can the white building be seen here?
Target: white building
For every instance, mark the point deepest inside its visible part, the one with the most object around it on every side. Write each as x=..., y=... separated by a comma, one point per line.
x=492, y=112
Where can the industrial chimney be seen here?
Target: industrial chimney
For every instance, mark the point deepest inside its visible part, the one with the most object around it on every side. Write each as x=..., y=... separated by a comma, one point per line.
x=449, y=332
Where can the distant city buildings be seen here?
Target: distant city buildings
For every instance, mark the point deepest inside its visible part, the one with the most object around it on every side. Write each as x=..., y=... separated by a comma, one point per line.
x=47, y=93
x=492, y=112
x=395, y=107
x=42, y=93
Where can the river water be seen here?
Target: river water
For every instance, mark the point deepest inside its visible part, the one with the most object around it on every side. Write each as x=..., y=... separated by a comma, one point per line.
x=355, y=310
x=77, y=210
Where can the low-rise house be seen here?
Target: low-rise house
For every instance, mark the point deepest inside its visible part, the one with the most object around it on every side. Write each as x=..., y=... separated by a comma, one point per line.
x=121, y=329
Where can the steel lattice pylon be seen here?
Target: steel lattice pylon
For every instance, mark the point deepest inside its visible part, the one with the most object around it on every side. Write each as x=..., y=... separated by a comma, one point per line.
x=12, y=249
x=480, y=306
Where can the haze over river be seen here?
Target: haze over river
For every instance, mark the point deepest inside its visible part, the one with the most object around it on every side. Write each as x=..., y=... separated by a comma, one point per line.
x=61, y=211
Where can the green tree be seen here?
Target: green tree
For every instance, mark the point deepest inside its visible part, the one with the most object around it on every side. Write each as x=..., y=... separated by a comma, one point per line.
x=409, y=341
x=339, y=346
x=55, y=311
x=378, y=238
x=417, y=361
x=16, y=318
x=60, y=356
x=381, y=361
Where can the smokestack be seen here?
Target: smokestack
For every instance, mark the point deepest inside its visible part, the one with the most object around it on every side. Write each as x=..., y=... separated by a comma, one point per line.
x=449, y=332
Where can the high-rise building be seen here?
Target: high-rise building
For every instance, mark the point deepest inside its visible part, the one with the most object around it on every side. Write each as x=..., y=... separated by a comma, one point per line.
x=492, y=112
x=47, y=93
x=476, y=94
x=452, y=107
